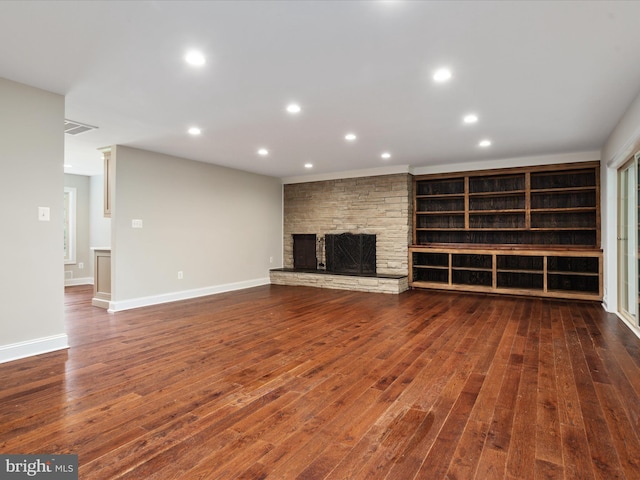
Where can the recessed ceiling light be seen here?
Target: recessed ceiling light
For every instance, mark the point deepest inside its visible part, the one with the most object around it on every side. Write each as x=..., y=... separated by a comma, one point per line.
x=194, y=131
x=308, y=165
x=195, y=58
x=471, y=118
x=442, y=75
x=263, y=151
x=484, y=143
x=293, y=108
x=386, y=155
x=350, y=137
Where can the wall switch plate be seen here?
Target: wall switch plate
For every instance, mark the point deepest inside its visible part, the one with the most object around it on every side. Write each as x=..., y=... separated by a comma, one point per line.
x=80, y=265
x=180, y=275
x=44, y=214
x=136, y=223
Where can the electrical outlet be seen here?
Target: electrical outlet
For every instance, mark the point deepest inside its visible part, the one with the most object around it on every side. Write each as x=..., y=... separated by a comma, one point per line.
x=80, y=265
x=270, y=259
x=180, y=276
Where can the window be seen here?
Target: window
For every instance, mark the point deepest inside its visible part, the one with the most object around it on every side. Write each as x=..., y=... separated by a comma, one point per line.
x=69, y=225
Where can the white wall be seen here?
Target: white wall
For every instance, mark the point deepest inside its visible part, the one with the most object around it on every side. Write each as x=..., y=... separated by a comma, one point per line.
x=623, y=141
x=74, y=275
x=219, y=226
x=32, y=283
x=509, y=163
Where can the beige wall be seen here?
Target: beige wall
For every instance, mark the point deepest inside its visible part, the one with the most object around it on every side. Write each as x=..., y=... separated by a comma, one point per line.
x=376, y=205
x=32, y=156
x=219, y=226
x=73, y=272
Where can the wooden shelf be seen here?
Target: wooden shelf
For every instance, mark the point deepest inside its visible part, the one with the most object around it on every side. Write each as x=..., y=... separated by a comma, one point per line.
x=539, y=226
x=497, y=193
x=506, y=270
x=584, y=274
x=473, y=269
x=563, y=229
x=434, y=212
x=547, y=282
x=563, y=210
x=505, y=211
x=441, y=195
x=563, y=189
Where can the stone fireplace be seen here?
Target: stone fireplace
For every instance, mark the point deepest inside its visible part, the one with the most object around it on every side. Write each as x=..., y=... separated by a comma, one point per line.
x=379, y=206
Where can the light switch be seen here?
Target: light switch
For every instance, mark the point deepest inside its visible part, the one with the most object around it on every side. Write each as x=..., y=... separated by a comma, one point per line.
x=136, y=223
x=44, y=214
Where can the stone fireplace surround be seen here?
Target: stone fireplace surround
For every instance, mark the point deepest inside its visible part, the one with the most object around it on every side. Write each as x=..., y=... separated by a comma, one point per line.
x=379, y=205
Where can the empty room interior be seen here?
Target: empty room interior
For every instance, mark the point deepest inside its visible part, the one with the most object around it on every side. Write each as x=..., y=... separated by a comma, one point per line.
x=321, y=239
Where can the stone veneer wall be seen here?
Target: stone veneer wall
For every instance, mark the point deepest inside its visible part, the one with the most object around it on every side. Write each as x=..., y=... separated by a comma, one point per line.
x=378, y=205
x=340, y=282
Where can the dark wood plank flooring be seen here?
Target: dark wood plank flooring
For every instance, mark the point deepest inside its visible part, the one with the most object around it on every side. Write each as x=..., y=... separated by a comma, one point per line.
x=295, y=382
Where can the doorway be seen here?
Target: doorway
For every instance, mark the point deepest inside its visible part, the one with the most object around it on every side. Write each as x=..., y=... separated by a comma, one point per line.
x=627, y=239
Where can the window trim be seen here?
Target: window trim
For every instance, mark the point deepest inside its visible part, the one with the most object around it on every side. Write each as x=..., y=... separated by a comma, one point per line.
x=69, y=249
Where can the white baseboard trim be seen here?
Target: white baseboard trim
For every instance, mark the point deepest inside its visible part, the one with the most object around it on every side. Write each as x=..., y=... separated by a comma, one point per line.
x=118, y=306
x=37, y=346
x=69, y=282
x=634, y=329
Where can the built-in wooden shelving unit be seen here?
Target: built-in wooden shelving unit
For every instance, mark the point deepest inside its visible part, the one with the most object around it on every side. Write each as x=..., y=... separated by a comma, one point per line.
x=526, y=231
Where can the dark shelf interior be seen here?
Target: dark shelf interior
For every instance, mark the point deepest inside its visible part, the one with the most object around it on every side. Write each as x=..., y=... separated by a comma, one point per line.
x=520, y=280
x=501, y=220
x=440, y=204
x=573, y=283
x=441, y=221
x=430, y=275
x=471, y=277
x=499, y=183
x=563, y=220
x=503, y=202
x=441, y=187
x=585, y=198
x=431, y=259
x=563, y=179
x=462, y=260
x=573, y=264
x=519, y=262
x=585, y=238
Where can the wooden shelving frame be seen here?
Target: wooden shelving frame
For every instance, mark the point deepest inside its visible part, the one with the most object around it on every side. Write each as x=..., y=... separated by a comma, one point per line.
x=525, y=231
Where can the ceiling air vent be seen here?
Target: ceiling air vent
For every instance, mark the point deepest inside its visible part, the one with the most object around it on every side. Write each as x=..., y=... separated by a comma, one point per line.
x=75, y=128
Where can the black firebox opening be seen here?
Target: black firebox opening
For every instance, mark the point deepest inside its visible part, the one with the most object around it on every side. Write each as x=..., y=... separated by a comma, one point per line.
x=351, y=253
x=304, y=251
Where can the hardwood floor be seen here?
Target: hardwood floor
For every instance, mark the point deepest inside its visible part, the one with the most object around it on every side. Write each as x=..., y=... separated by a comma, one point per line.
x=295, y=382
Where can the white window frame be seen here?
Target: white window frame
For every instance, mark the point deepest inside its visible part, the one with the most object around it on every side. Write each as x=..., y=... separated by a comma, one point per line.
x=70, y=194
